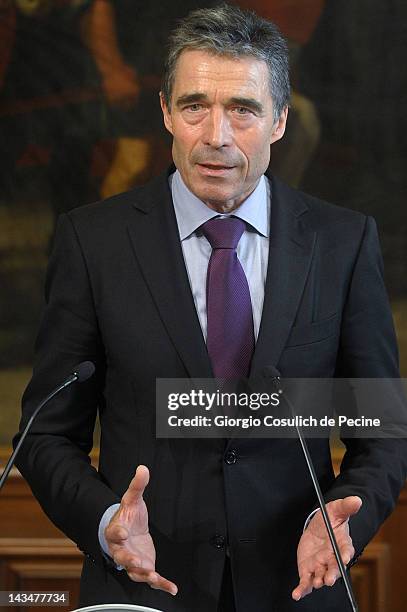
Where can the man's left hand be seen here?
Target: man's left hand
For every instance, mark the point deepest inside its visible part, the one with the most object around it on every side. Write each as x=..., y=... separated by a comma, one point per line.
x=317, y=565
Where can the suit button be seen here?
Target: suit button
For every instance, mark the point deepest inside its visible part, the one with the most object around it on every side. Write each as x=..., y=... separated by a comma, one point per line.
x=218, y=541
x=230, y=457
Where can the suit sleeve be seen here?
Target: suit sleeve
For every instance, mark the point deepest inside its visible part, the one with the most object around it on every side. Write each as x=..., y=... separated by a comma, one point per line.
x=54, y=458
x=374, y=469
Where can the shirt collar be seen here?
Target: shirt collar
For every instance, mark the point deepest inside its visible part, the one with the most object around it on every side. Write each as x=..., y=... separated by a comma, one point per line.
x=191, y=212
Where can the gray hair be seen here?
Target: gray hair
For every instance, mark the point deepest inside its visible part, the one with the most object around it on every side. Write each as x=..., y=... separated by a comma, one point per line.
x=227, y=30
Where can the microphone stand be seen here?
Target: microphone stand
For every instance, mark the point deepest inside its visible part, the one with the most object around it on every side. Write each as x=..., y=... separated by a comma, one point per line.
x=83, y=372
x=321, y=501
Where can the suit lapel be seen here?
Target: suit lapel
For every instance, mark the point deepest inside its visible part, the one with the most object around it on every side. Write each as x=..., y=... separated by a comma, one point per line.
x=290, y=254
x=157, y=248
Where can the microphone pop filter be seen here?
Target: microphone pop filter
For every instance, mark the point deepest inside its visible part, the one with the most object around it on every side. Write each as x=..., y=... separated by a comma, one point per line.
x=84, y=370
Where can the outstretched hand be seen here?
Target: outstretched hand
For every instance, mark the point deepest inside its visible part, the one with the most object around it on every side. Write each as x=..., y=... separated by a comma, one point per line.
x=317, y=565
x=127, y=535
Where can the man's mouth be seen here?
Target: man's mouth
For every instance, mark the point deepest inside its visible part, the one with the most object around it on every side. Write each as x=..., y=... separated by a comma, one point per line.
x=210, y=169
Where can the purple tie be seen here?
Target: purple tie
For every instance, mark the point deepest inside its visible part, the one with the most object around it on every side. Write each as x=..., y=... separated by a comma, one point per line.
x=230, y=336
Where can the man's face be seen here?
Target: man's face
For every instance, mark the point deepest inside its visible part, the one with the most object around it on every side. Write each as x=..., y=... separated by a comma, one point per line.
x=222, y=124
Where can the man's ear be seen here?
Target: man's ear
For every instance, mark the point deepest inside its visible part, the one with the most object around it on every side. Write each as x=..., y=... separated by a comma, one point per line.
x=279, y=126
x=166, y=113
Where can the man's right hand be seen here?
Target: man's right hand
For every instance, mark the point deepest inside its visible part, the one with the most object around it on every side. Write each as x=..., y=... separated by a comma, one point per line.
x=129, y=541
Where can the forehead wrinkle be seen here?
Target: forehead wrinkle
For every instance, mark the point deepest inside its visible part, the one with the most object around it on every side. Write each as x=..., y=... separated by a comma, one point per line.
x=251, y=73
x=210, y=78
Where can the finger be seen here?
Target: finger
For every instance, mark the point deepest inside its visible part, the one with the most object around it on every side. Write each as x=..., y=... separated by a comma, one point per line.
x=341, y=509
x=131, y=562
x=136, y=487
x=159, y=582
x=319, y=575
x=351, y=505
x=304, y=587
x=332, y=574
x=347, y=552
x=154, y=580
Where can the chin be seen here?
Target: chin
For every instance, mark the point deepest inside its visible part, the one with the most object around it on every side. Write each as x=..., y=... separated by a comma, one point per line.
x=216, y=191
x=214, y=195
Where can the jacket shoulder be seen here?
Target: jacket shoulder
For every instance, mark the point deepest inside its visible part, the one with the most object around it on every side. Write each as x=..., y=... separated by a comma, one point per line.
x=116, y=210
x=320, y=213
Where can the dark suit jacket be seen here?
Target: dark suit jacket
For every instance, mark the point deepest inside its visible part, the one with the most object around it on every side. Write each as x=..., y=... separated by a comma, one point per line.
x=118, y=294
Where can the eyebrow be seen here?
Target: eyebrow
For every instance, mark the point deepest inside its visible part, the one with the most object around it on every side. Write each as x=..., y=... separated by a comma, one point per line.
x=195, y=97
x=251, y=103
x=191, y=98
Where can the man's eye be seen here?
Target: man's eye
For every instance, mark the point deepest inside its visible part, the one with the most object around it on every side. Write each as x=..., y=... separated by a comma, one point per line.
x=194, y=107
x=242, y=110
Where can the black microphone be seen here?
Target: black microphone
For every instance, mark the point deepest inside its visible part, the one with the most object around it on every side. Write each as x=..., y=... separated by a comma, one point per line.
x=274, y=374
x=82, y=372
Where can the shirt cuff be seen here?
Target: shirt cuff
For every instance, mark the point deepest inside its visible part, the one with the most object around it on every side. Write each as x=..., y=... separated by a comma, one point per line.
x=104, y=521
x=307, y=522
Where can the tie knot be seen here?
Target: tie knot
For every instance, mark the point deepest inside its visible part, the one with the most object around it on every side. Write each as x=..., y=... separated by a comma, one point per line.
x=223, y=233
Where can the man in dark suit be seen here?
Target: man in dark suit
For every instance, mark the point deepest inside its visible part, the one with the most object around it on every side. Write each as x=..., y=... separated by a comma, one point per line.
x=126, y=289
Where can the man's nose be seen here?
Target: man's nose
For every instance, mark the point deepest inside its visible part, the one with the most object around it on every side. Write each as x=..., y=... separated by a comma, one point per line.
x=217, y=132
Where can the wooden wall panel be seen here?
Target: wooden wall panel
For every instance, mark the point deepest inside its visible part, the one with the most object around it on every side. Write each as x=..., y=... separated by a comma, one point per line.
x=394, y=532
x=21, y=514
x=370, y=578
x=40, y=565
